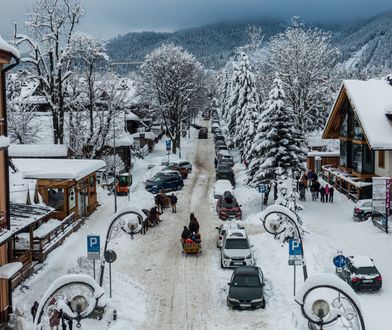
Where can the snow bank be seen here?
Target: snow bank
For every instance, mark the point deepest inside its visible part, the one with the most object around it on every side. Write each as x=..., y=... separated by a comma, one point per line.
x=57, y=168
x=9, y=270
x=4, y=46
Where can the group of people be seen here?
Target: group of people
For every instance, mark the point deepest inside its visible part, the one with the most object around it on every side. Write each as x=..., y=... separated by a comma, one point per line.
x=191, y=233
x=323, y=192
x=161, y=203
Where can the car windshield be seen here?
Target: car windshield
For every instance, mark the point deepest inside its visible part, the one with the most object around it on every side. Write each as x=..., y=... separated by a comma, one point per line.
x=366, y=271
x=224, y=168
x=229, y=203
x=246, y=281
x=236, y=244
x=157, y=178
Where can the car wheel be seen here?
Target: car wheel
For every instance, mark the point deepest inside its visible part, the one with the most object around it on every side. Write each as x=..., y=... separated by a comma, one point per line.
x=367, y=216
x=189, y=170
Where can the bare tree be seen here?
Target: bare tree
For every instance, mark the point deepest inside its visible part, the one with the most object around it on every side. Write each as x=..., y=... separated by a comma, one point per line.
x=51, y=25
x=172, y=80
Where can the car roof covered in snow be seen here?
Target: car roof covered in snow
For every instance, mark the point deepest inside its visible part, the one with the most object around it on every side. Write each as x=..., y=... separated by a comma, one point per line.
x=246, y=270
x=236, y=233
x=361, y=261
x=225, y=152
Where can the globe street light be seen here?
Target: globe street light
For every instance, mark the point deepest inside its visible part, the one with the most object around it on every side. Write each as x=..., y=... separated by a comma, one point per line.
x=284, y=222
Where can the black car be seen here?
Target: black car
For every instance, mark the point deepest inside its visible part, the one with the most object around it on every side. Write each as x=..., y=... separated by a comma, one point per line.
x=219, y=137
x=225, y=172
x=164, y=183
x=203, y=133
x=246, y=288
x=361, y=273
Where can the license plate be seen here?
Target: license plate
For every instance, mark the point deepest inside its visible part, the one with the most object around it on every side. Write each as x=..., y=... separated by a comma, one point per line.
x=238, y=263
x=244, y=305
x=367, y=281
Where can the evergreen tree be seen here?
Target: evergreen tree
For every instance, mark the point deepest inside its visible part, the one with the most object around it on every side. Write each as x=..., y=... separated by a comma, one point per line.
x=278, y=142
x=234, y=96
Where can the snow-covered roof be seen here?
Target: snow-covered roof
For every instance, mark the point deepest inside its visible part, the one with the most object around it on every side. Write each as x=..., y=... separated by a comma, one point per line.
x=123, y=140
x=147, y=135
x=10, y=269
x=132, y=116
x=4, y=141
x=19, y=187
x=6, y=47
x=38, y=150
x=23, y=216
x=370, y=99
x=75, y=169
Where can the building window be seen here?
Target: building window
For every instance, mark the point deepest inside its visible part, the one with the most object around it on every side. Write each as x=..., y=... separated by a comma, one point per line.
x=357, y=158
x=381, y=159
x=56, y=199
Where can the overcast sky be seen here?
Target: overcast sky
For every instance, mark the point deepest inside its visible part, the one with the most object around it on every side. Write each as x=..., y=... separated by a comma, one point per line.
x=108, y=18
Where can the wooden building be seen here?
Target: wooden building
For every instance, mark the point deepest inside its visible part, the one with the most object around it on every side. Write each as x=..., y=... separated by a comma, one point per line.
x=361, y=120
x=67, y=185
x=8, y=54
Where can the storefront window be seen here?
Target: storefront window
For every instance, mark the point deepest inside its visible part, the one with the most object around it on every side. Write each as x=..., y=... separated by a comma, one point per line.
x=56, y=198
x=357, y=158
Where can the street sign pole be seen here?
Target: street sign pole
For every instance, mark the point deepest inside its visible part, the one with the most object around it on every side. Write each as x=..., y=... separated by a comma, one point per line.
x=110, y=280
x=262, y=201
x=93, y=249
x=295, y=277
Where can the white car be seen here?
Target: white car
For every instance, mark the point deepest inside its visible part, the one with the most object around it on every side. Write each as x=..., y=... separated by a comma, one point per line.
x=222, y=230
x=236, y=250
x=221, y=186
x=184, y=164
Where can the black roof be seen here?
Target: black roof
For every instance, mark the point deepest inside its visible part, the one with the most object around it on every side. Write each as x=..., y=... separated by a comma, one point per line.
x=246, y=270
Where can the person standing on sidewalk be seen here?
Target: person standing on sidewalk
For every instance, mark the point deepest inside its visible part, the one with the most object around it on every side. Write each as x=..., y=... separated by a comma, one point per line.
x=173, y=202
x=216, y=162
x=322, y=194
x=331, y=190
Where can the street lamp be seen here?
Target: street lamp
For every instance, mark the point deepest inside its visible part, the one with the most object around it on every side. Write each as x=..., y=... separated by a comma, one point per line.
x=129, y=220
x=79, y=305
x=283, y=223
x=326, y=299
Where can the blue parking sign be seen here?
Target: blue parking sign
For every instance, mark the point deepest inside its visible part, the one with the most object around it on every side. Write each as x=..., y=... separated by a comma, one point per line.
x=339, y=261
x=93, y=246
x=295, y=247
x=168, y=145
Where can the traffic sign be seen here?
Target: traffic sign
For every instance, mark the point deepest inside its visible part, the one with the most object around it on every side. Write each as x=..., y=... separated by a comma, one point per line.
x=93, y=247
x=339, y=261
x=110, y=256
x=295, y=247
x=263, y=188
x=168, y=145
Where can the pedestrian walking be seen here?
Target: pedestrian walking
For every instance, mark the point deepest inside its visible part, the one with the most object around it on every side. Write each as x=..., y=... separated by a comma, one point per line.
x=173, y=202
x=246, y=163
x=322, y=194
x=317, y=186
x=216, y=162
x=313, y=191
x=34, y=309
x=309, y=177
x=331, y=190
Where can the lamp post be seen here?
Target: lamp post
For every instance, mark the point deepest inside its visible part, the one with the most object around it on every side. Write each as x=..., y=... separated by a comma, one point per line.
x=326, y=299
x=286, y=223
x=118, y=225
x=76, y=295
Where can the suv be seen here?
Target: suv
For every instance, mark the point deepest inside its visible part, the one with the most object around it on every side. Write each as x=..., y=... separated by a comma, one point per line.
x=361, y=273
x=246, y=288
x=228, y=207
x=174, y=167
x=203, y=133
x=225, y=172
x=236, y=250
x=185, y=164
x=163, y=183
x=222, y=230
x=363, y=210
x=224, y=156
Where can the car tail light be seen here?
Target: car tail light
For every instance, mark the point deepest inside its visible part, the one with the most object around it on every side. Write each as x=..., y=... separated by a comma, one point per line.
x=378, y=278
x=357, y=210
x=355, y=280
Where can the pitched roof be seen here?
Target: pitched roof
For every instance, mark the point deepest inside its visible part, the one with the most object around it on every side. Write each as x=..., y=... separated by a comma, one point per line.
x=6, y=47
x=370, y=100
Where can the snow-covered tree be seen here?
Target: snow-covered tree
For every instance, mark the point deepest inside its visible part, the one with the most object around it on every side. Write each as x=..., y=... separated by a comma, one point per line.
x=304, y=58
x=172, y=79
x=50, y=27
x=277, y=149
x=22, y=126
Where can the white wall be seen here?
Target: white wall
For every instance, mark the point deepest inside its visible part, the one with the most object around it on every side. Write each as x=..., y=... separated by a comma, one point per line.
x=387, y=171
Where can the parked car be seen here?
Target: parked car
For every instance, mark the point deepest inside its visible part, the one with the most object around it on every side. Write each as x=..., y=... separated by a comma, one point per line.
x=219, y=137
x=222, y=230
x=214, y=126
x=363, y=210
x=225, y=172
x=220, y=142
x=164, y=183
x=185, y=164
x=225, y=156
x=236, y=250
x=218, y=131
x=182, y=170
x=221, y=186
x=246, y=288
x=228, y=207
x=361, y=273
x=203, y=133
x=220, y=147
